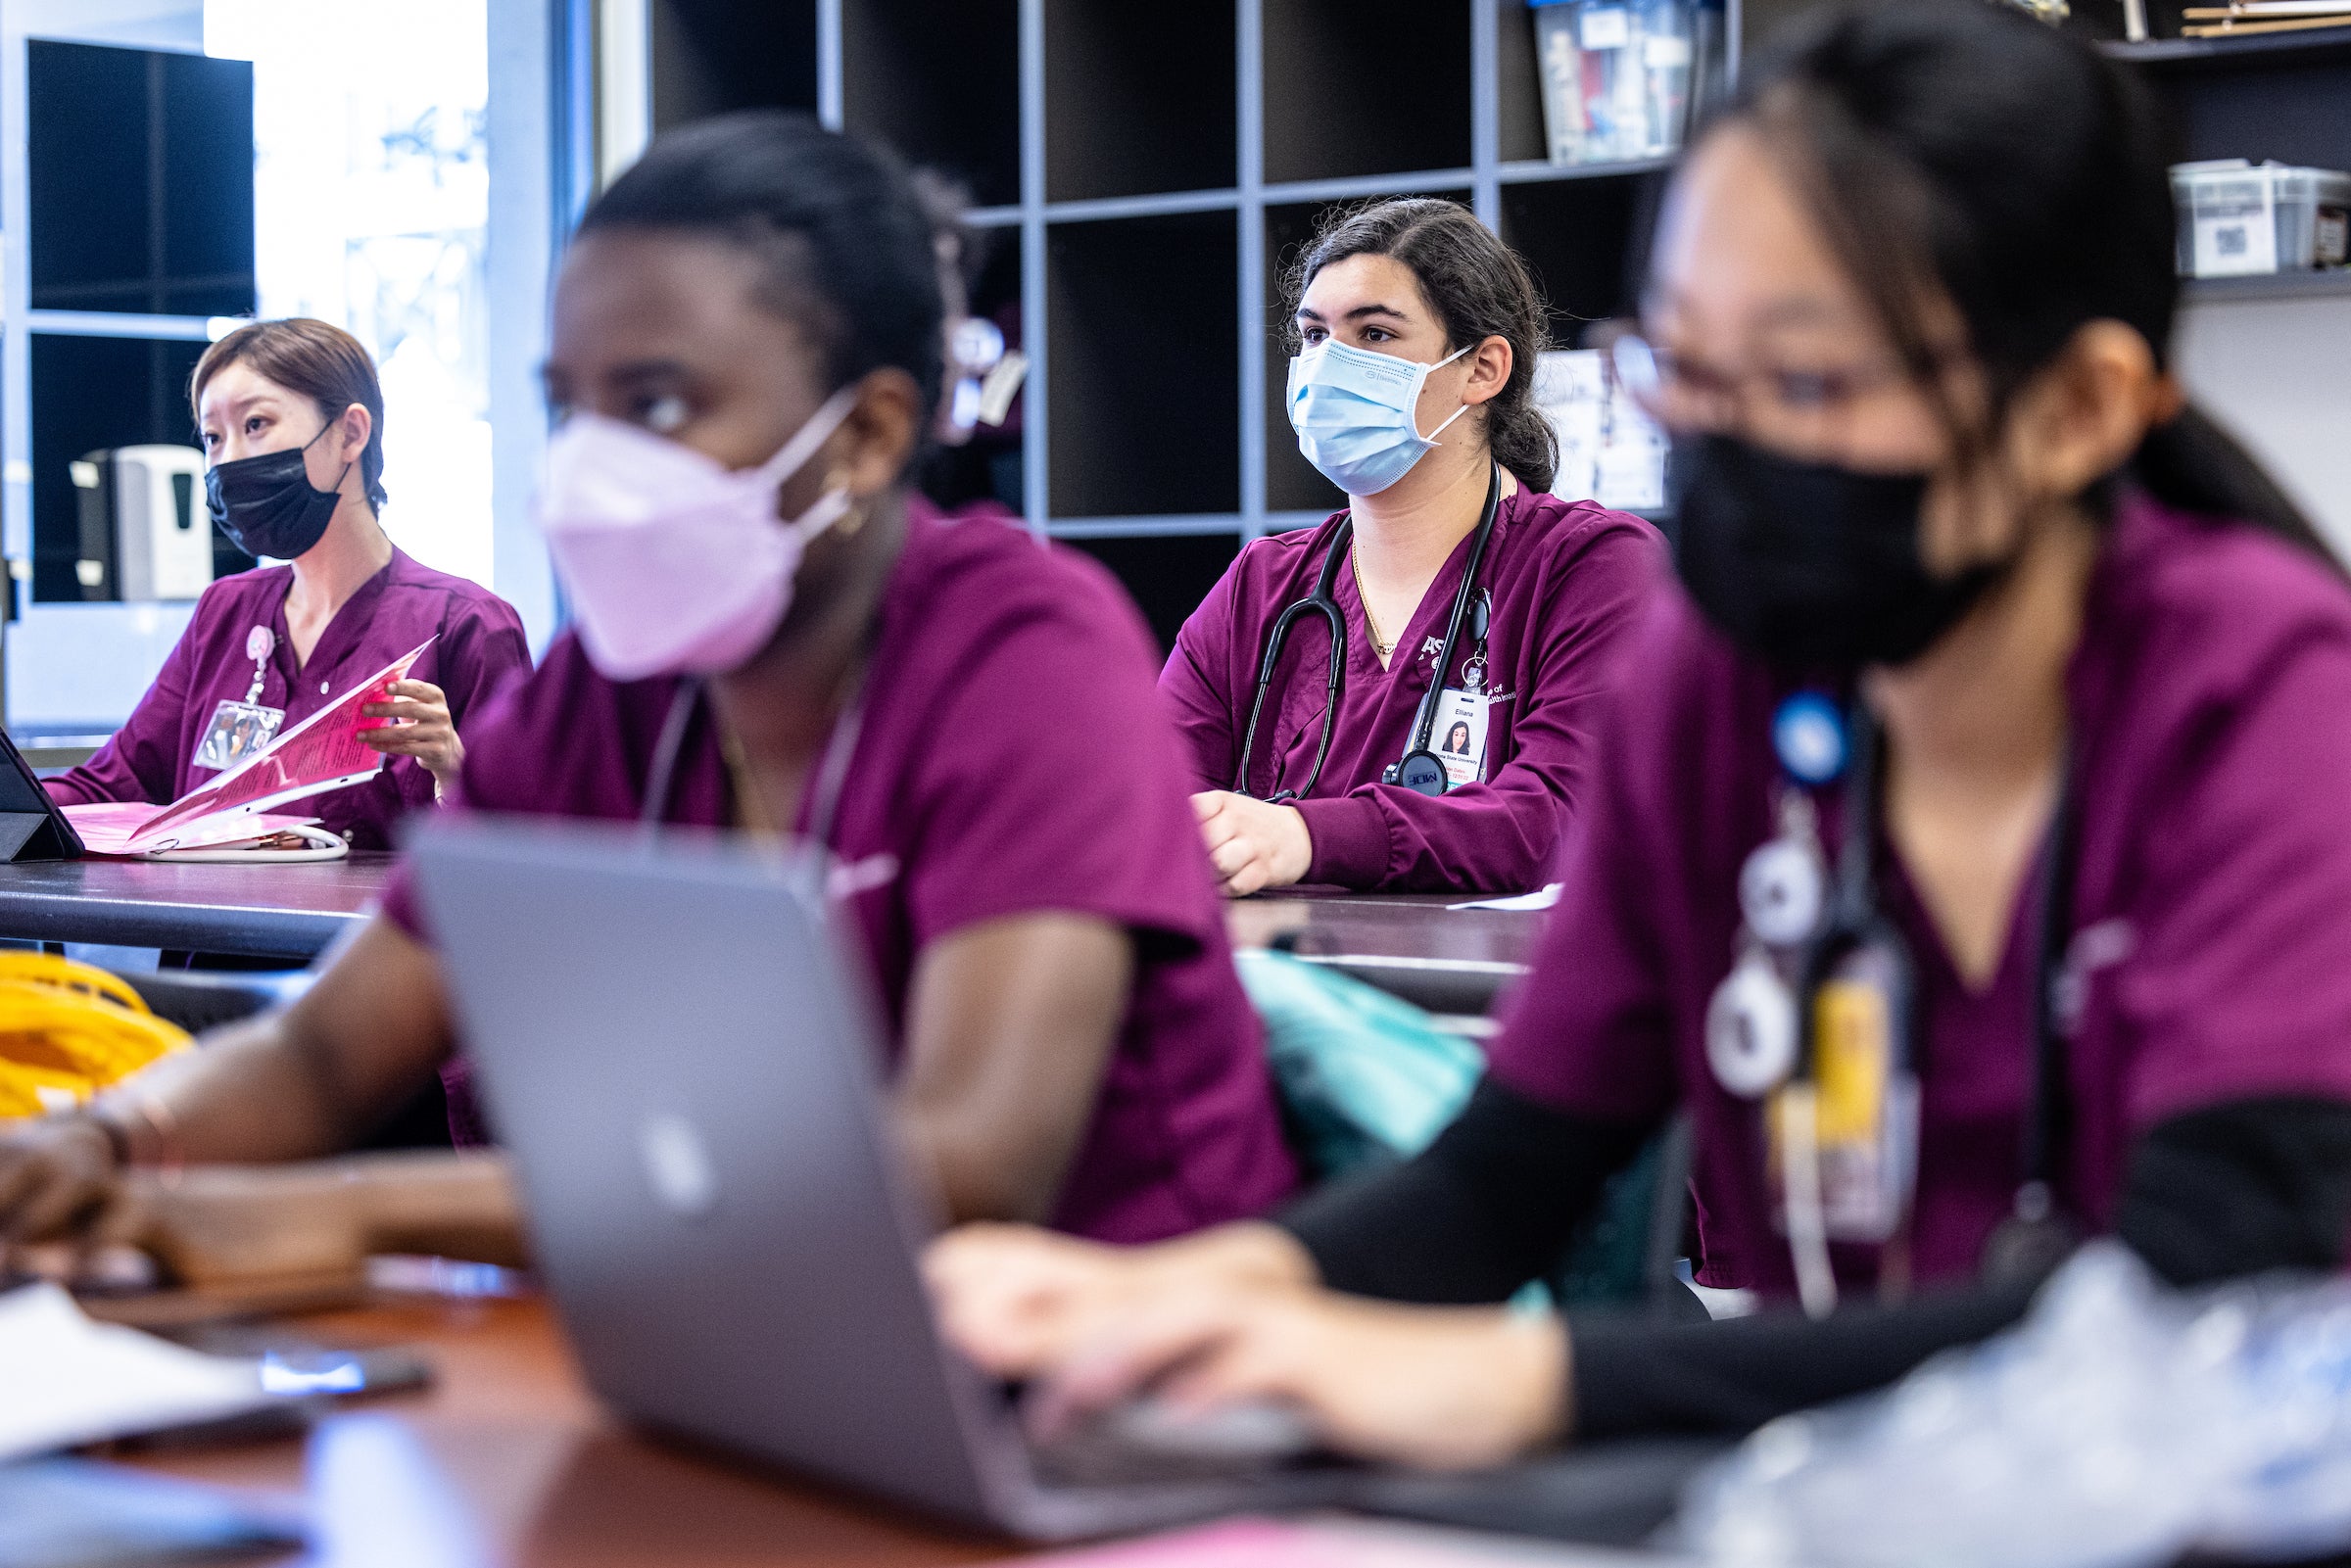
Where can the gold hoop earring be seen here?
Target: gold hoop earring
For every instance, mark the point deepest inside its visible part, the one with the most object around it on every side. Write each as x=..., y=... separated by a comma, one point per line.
x=854, y=518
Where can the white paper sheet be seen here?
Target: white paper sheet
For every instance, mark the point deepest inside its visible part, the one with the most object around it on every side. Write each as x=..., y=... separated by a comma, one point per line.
x=1541, y=898
x=66, y=1380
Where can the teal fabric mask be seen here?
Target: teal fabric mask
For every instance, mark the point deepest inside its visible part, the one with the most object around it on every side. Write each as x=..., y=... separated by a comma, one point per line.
x=1352, y=412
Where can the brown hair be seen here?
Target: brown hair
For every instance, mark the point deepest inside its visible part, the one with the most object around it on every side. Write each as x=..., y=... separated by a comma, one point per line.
x=1479, y=289
x=315, y=360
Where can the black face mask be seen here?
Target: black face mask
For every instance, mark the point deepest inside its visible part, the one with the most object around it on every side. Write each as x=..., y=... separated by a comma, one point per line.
x=268, y=505
x=1810, y=567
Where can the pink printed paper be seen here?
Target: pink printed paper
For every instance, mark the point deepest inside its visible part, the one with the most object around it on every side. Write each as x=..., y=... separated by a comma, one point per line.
x=323, y=752
x=1325, y=1544
x=109, y=827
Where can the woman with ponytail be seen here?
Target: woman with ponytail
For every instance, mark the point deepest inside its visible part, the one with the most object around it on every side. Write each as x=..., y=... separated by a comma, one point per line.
x=1411, y=389
x=1964, y=860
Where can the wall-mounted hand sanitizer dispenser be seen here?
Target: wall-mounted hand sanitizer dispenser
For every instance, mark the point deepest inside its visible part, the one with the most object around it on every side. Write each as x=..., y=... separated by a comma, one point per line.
x=145, y=535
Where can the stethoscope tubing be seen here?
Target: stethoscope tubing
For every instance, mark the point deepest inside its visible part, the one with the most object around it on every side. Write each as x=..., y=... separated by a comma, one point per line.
x=1320, y=602
x=1325, y=603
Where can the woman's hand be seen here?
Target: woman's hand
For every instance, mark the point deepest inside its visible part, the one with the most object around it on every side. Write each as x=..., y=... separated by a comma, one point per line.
x=420, y=728
x=1438, y=1388
x=318, y=1221
x=1017, y=1299
x=56, y=1174
x=1251, y=843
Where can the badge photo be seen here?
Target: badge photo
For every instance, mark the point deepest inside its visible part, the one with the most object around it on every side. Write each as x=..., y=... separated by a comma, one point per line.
x=239, y=731
x=1459, y=736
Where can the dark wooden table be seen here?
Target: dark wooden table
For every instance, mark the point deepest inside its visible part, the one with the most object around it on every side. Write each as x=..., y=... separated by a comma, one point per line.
x=281, y=911
x=1447, y=960
x=509, y=1461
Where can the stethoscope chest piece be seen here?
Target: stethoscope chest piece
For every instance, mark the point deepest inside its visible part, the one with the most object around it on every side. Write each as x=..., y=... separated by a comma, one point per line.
x=1752, y=1032
x=1419, y=770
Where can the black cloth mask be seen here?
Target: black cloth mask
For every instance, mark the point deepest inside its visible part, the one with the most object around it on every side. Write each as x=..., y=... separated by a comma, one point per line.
x=1809, y=567
x=268, y=505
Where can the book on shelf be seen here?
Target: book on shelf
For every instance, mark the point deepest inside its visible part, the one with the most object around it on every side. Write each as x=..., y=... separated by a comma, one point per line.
x=2235, y=26
x=2272, y=8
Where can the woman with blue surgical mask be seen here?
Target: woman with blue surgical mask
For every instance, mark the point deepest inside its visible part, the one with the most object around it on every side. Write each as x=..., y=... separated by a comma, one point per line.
x=1321, y=682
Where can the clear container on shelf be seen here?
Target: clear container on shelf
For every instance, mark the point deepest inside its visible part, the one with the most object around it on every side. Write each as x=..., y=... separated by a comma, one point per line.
x=1621, y=77
x=2240, y=219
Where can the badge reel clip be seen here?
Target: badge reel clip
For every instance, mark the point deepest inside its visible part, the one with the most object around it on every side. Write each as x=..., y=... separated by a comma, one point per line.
x=1813, y=1019
x=239, y=730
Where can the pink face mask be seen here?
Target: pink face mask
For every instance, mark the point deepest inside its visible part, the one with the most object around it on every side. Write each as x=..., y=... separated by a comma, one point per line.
x=675, y=563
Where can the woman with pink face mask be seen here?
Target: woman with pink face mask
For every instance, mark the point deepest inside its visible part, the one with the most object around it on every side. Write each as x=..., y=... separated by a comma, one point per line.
x=773, y=635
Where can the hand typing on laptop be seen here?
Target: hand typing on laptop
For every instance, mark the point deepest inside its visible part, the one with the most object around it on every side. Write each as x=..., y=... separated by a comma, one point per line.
x=1231, y=1321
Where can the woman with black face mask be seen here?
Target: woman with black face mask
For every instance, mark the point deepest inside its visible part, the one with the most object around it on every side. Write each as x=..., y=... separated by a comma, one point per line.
x=1965, y=861
x=292, y=421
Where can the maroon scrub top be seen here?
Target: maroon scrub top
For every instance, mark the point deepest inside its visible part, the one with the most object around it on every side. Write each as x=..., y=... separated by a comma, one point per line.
x=480, y=649
x=1567, y=577
x=1010, y=760
x=2210, y=951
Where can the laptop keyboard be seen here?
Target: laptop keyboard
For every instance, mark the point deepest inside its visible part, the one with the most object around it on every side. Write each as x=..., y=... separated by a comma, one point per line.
x=1145, y=1441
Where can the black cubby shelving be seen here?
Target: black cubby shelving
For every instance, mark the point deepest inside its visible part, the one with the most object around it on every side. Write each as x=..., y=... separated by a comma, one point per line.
x=2279, y=96
x=1144, y=174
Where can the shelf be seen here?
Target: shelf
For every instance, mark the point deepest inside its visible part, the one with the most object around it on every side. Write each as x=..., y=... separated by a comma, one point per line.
x=1356, y=87
x=1176, y=525
x=939, y=83
x=1291, y=482
x=1138, y=100
x=1144, y=344
x=139, y=167
x=2332, y=284
x=713, y=55
x=2253, y=51
x=1163, y=203
x=1542, y=171
x=2271, y=95
x=1578, y=235
x=1358, y=187
x=1521, y=136
x=90, y=394
x=1168, y=574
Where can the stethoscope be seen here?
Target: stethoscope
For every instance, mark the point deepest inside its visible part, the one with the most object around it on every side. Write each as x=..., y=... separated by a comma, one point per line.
x=1760, y=1030
x=811, y=854
x=1419, y=768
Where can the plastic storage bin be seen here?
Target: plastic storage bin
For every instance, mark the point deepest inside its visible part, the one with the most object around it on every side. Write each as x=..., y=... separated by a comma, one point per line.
x=1619, y=77
x=2238, y=219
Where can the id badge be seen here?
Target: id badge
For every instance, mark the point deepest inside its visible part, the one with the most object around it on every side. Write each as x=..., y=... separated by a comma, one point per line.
x=1857, y=1111
x=237, y=732
x=1459, y=738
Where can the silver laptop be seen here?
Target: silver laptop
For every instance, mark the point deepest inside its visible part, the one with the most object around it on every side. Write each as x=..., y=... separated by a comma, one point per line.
x=685, y=1065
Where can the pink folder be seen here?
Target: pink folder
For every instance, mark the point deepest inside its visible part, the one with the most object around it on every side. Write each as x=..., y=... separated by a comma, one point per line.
x=323, y=752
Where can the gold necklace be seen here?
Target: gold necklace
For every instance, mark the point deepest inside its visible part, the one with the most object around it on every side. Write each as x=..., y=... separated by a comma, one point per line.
x=750, y=806
x=1355, y=563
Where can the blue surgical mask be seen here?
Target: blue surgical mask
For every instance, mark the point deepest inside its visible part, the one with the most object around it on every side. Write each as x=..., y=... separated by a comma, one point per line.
x=1354, y=414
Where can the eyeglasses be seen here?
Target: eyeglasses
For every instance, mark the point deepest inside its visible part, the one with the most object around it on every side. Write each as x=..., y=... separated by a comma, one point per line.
x=1793, y=408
